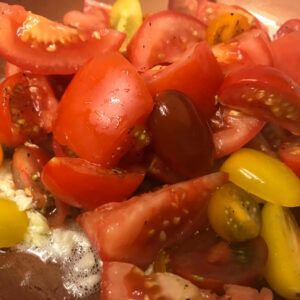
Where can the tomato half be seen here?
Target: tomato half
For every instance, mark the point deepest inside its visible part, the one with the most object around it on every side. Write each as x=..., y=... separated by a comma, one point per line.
x=196, y=74
x=103, y=103
x=287, y=54
x=232, y=130
x=163, y=38
x=265, y=93
x=85, y=185
x=41, y=46
x=135, y=230
x=27, y=109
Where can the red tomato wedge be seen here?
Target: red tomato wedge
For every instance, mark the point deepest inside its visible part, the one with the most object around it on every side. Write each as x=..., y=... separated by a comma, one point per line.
x=82, y=184
x=265, y=93
x=196, y=74
x=103, y=103
x=125, y=281
x=289, y=153
x=163, y=38
x=42, y=46
x=232, y=130
x=248, y=49
x=292, y=25
x=27, y=109
x=135, y=230
x=286, y=53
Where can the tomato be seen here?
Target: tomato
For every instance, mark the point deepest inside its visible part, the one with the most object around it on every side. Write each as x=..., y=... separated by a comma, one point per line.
x=163, y=38
x=287, y=27
x=281, y=233
x=180, y=136
x=11, y=69
x=115, y=101
x=289, y=153
x=287, y=47
x=135, y=230
x=226, y=26
x=126, y=281
x=264, y=176
x=27, y=164
x=13, y=224
x=186, y=6
x=126, y=16
x=196, y=74
x=234, y=214
x=210, y=263
x=266, y=93
x=41, y=46
x=85, y=185
x=232, y=130
x=250, y=48
x=27, y=109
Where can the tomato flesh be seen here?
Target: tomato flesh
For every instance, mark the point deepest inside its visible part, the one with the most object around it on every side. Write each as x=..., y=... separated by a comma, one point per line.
x=135, y=230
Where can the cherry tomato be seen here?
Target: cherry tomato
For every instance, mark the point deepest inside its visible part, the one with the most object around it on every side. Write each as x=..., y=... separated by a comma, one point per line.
x=115, y=101
x=180, y=136
x=266, y=93
x=163, y=38
x=196, y=74
x=41, y=46
x=287, y=47
x=232, y=130
x=85, y=185
x=27, y=165
x=135, y=230
x=234, y=214
x=289, y=153
x=264, y=176
x=287, y=27
x=210, y=263
x=27, y=109
x=281, y=233
x=13, y=224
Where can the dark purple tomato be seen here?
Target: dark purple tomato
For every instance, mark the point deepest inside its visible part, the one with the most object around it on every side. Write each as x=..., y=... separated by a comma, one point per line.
x=180, y=136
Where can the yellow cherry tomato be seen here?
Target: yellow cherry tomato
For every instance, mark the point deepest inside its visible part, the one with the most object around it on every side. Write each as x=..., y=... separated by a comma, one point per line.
x=264, y=176
x=13, y=224
x=126, y=16
x=225, y=27
x=234, y=214
x=1, y=155
x=282, y=235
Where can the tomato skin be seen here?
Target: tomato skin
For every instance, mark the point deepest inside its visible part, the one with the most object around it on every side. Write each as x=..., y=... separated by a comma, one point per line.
x=232, y=130
x=287, y=46
x=289, y=153
x=174, y=33
x=85, y=185
x=266, y=93
x=64, y=60
x=135, y=230
x=196, y=74
x=116, y=100
x=28, y=99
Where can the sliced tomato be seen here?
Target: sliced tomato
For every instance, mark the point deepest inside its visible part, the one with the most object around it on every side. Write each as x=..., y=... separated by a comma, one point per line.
x=41, y=46
x=286, y=53
x=11, y=69
x=196, y=74
x=265, y=93
x=27, y=165
x=289, y=153
x=250, y=48
x=27, y=109
x=126, y=281
x=104, y=102
x=85, y=185
x=135, y=230
x=232, y=130
x=163, y=38
x=292, y=25
x=210, y=262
